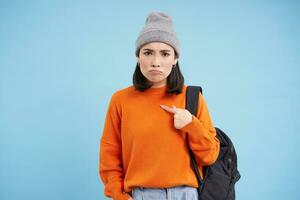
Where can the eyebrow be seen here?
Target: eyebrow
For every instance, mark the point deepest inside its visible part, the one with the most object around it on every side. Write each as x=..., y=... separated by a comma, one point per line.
x=164, y=50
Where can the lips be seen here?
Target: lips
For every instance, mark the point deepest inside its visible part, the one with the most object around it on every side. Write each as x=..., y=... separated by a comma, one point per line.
x=155, y=71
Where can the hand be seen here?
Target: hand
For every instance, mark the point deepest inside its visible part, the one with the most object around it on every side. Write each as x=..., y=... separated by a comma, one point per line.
x=130, y=198
x=181, y=116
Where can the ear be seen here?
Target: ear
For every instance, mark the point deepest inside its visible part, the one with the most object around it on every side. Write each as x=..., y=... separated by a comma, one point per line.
x=175, y=62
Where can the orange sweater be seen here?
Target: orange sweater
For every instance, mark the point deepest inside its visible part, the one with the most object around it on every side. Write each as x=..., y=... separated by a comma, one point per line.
x=141, y=147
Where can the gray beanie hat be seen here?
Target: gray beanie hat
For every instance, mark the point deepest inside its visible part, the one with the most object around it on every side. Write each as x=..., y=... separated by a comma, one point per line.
x=158, y=28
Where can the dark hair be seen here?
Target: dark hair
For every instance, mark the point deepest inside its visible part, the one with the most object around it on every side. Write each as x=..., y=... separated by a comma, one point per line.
x=175, y=80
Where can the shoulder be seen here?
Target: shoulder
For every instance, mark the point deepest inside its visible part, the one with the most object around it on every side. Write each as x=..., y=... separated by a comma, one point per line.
x=122, y=93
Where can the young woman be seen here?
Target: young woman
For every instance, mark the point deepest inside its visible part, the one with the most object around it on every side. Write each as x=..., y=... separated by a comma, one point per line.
x=143, y=150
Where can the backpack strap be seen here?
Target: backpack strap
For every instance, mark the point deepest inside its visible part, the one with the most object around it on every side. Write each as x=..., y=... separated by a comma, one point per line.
x=192, y=98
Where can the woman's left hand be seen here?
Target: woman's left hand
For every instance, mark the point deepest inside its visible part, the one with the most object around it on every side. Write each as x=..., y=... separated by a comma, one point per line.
x=181, y=116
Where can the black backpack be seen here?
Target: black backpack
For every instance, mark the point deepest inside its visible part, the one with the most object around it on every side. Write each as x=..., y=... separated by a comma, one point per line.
x=220, y=177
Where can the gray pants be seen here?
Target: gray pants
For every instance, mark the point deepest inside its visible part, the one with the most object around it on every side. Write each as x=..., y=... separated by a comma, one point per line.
x=173, y=193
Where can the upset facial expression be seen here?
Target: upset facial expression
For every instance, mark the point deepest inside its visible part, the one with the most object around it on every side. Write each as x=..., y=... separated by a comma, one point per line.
x=156, y=61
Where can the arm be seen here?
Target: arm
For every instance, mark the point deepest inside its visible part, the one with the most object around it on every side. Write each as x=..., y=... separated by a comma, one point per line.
x=202, y=135
x=110, y=162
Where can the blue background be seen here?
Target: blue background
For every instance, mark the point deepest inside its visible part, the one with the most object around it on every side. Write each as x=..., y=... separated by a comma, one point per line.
x=60, y=62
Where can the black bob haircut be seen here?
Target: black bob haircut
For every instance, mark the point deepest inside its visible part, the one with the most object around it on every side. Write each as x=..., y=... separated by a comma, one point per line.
x=175, y=80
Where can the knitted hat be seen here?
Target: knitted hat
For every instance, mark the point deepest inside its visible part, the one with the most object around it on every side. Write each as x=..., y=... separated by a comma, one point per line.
x=158, y=28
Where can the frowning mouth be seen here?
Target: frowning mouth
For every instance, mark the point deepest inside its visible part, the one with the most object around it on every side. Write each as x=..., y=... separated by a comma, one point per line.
x=155, y=72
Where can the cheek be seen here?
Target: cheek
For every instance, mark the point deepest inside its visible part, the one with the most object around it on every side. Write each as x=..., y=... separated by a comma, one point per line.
x=143, y=67
x=144, y=62
x=144, y=70
x=168, y=71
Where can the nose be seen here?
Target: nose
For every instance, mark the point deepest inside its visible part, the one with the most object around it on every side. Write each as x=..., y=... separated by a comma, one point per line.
x=155, y=61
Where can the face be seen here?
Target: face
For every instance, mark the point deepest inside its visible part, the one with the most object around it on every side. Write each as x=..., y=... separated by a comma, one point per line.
x=156, y=61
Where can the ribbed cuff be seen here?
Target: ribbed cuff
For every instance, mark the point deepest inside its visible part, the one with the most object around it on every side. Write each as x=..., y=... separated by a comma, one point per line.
x=121, y=196
x=193, y=127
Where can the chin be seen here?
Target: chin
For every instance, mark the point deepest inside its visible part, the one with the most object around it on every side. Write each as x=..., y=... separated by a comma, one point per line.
x=156, y=81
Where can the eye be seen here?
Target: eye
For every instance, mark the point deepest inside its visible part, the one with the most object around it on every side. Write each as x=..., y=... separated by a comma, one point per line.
x=165, y=54
x=147, y=53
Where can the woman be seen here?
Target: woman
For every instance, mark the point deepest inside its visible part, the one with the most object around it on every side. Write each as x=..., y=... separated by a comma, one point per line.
x=143, y=150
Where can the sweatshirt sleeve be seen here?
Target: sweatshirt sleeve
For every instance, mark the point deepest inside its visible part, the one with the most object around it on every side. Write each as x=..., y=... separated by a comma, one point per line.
x=202, y=135
x=110, y=161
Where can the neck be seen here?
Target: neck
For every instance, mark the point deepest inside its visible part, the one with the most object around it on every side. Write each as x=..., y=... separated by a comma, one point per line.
x=158, y=85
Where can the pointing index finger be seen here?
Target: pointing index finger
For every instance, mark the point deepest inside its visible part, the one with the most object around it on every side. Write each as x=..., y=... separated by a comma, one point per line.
x=169, y=109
